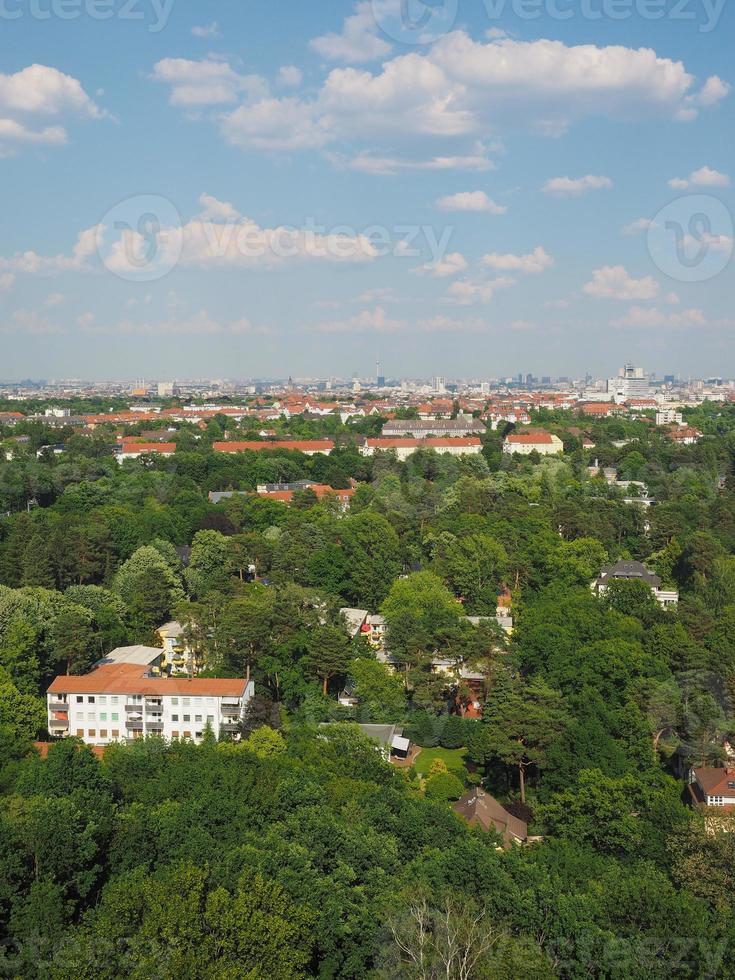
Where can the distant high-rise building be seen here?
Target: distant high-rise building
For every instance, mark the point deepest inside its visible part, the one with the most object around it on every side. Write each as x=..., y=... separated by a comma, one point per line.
x=439, y=385
x=631, y=382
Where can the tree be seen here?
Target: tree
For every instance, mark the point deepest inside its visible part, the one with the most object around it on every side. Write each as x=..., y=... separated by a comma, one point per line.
x=444, y=786
x=378, y=690
x=519, y=725
x=372, y=550
x=328, y=653
x=22, y=716
x=210, y=563
x=266, y=743
x=148, y=587
x=475, y=566
x=73, y=639
x=37, y=568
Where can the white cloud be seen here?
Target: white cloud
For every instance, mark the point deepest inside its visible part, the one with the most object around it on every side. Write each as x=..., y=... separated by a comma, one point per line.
x=645, y=316
x=31, y=322
x=448, y=265
x=537, y=261
x=467, y=292
x=78, y=261
x=53, y=300
x=220, y=237
x=200, y=324
x=637, y=227
x=381, y=294
x=289, y=76
x=40, y=91
x=470, y=201
x=206, y=30
x=359, y=40
x=672, y=299
x=457, y=88
x=390, y=166
x=206, y=82
x=614, y=282
x=704, y=177
x=368, y=321
x=576, y=186
x=556, y=304
x=7, y=280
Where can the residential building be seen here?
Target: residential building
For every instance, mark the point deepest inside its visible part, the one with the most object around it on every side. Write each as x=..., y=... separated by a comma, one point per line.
x=480, y=809
x=685, y=435
x=634, y=571
x=310, y=447
x=669, y=416
x=126, y=697
x=403, y=448
x=463, y=425
x=713, y=787
x=130, y=449
x=525, y=443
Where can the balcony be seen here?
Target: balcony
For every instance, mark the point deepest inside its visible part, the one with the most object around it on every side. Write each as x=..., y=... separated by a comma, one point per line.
x=134, y=707
x=154, y=724
x=55, y=705
x=228, y=725
x=134, y=723
x=155, y=706
x=231, y=707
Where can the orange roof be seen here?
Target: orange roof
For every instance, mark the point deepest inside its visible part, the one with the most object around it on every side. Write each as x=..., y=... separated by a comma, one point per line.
x=530, y=438
x=304, y=446
x=165, y=448
x=130, y=679
x=43, y=747
x=430, y=443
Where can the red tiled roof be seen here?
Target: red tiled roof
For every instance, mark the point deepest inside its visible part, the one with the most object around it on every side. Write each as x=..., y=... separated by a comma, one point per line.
x=162, y=448
x=129, y=679
x=304, y=446
x=530, y=438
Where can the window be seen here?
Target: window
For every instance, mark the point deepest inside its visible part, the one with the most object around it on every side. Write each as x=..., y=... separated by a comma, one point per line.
x=198, y=718
x=91, y=732
x=103, y=716
x=80, y=733
x=103, y=733
x=210, y=719
x=114, y=716
x=197, y=734
x=113, y=699
x=103, y=699
x=91, y=699
x=174, y=700
x=91, y=716
x=115, y=733
x=187, y=718
x=186, y=702
x=174, y=717
x=80, y=699
x=187, y=734
x=174, y=734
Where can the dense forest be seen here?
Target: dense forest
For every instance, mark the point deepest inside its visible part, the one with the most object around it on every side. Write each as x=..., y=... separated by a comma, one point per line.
x=298, y=851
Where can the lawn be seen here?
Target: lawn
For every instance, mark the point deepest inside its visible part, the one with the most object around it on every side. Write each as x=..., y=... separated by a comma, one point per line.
x=453, y=758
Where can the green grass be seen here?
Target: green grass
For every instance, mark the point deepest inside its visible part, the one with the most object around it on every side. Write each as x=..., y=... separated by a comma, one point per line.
x=453, y=759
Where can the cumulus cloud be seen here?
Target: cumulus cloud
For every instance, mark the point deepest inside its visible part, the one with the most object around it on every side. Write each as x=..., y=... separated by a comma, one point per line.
x=470, y=201
x=646, y=316
x=458, y=88
x=359, y=39
x=368, y=321
x=220, y=237
x=704, y=177
x=469, y=292
x=536, y=261
x=195, y=84
x=576, y=186
x=206, y=30
x=289, y=76
x=199, y=324
x=447, y=265
x=637, y=227
x=40, y=92
x=614, y=282
x=7, y=281
x=77, y=261
x=391, y=166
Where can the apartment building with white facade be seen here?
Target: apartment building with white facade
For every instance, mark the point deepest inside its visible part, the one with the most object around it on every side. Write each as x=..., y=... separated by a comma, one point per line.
x=126, y=697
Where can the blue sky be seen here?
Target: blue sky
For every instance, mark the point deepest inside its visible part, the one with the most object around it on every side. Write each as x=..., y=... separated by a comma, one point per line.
x=244, y=189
